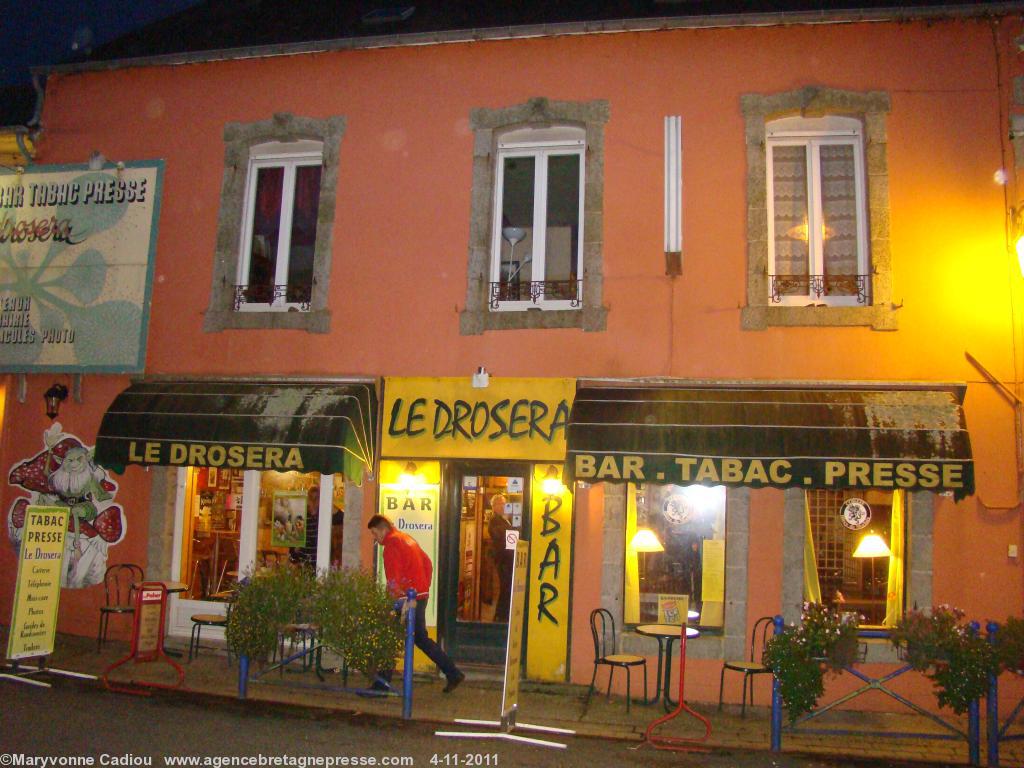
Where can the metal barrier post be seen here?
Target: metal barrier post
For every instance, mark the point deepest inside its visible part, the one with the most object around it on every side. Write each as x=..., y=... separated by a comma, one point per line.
x=992, y=705
x=776, y=728
x=410, y=632
x=974, y=719
x=243, y=676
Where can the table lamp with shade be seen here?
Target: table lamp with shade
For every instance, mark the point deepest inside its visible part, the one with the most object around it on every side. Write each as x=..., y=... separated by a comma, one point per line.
x=872, y=546
x=644, y=541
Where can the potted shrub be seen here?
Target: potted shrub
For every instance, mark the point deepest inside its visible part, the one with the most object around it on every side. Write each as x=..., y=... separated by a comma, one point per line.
x=357, y=619
x=1010, y=645
x=799, y=657
x=954, y=657
x=265, y=602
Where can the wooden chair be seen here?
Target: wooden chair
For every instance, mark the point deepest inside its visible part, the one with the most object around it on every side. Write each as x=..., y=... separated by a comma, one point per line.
x=752, y=665
x=602, y=628
x=202, y=580
x=119, y=585
x=200, y=620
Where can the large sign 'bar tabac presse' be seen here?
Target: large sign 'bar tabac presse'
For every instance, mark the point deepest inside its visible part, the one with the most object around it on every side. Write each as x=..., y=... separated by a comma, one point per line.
x=76, y=260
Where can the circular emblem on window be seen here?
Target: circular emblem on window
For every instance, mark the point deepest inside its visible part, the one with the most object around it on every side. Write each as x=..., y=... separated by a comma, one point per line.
x=677, y=509
x=855, y=513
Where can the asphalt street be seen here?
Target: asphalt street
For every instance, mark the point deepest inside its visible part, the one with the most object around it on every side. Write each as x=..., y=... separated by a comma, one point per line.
x=83, y=724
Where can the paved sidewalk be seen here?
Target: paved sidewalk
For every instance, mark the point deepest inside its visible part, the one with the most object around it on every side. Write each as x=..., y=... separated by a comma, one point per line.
x=558, y=705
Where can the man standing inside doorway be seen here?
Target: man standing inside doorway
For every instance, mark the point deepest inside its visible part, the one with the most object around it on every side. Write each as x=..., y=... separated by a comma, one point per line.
x=407, y=566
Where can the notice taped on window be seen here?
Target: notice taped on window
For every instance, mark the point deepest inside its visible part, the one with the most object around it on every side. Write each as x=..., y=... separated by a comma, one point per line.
x=37, y=589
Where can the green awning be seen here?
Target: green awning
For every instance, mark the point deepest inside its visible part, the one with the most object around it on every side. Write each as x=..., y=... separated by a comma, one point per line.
x=307, y=427
x=857, y=437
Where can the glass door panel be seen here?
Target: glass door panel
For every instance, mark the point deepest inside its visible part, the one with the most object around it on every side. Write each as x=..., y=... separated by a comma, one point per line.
x=489, y=504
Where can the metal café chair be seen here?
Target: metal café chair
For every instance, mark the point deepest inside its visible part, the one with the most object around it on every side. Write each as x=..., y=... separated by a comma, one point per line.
x=119, y=586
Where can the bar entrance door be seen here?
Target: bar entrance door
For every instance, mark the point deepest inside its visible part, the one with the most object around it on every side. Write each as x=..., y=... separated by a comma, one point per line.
x=485, y=510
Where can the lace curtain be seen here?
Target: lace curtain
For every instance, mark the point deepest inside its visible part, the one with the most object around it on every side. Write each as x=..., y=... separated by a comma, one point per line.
x=838, y=191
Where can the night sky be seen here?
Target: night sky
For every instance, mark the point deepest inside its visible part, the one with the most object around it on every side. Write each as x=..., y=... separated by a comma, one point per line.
x=36, y=32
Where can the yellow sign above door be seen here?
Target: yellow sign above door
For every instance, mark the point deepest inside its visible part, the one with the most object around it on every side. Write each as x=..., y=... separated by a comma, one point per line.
x=449, y=418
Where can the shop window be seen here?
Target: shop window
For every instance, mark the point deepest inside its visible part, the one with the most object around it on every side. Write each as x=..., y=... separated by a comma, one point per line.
x=846, y=569
x=675, y=554
x=817, y=223
x=537, y=232
x=536, y=224
x=274, y=232
x=818, y=249
x=275, y=267
x=211, y=531
x=222, y=539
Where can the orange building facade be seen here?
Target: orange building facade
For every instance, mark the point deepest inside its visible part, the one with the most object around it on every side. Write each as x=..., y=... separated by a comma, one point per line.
x=888, y=136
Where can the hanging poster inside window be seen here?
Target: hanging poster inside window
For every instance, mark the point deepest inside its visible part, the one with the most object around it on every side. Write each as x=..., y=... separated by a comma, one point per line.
x=76, y=263
x=288, y=528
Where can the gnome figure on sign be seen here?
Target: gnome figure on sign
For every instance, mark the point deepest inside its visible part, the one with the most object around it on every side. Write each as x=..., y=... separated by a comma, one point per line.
x=65, y=475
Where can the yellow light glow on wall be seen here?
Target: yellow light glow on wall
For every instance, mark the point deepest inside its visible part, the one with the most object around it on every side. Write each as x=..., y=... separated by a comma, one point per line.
x=551, y=485
x=419, y=474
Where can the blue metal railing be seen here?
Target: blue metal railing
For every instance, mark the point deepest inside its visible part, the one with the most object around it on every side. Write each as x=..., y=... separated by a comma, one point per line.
x=971, y=736
x=406, y=694
x=997, y=732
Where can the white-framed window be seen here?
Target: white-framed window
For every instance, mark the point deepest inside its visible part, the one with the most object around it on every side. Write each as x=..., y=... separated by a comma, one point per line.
x=279, y=227
x=537, y=237
x=817, y=212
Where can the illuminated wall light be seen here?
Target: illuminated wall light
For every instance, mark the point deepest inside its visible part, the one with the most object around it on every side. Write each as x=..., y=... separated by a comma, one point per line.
x=410, y=477
x=552, y=483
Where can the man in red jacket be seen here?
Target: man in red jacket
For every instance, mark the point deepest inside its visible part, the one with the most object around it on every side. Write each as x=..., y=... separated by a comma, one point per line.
x=407, y=566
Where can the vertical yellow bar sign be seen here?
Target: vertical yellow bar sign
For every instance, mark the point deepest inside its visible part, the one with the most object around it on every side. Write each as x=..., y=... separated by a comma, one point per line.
x=37, y=589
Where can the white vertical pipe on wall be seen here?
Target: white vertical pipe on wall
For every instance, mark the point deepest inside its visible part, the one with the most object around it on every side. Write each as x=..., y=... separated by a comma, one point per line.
x=673, y=184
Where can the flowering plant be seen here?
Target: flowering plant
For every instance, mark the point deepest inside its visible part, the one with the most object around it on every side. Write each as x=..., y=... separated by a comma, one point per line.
x=354, y=613
x=1010, y=645
x=357, y=618
x=950, y=653
x=265, y=602
x=801, y=654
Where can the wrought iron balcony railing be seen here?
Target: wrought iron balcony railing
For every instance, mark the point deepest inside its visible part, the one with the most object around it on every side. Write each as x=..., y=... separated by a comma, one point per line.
x=819, y=286
x=271, y=294
x=549, y=290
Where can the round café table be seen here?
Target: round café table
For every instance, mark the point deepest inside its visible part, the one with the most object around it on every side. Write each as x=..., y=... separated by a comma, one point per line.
x=171, y=587
x=666, y=635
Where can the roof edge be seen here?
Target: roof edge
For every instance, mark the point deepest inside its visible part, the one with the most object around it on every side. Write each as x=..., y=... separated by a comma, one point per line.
x=658, y=24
